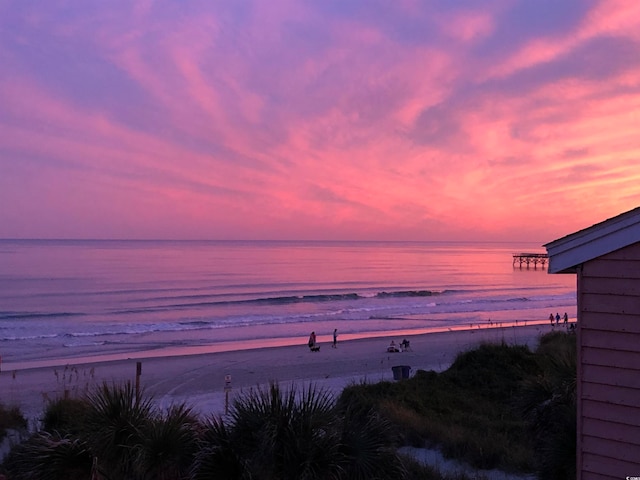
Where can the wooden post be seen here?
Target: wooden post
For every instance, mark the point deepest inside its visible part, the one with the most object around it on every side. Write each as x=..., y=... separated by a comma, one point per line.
x=138, y=373
x=227, y=389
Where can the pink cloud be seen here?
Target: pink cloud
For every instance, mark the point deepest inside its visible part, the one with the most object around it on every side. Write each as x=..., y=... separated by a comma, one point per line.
x=468, y=27
x=291, y=120
x=608, y=18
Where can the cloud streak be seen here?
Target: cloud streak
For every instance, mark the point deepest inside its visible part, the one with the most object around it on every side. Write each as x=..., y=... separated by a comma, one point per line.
x=327, y=120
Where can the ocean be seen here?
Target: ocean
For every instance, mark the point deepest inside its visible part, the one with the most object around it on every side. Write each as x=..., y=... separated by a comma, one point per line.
x=61, y=299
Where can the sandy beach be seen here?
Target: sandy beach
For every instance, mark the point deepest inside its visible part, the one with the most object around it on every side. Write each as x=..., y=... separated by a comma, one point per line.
x=200, y=379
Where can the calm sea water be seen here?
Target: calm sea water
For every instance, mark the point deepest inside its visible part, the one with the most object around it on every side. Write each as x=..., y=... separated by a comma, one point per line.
x=77, y=298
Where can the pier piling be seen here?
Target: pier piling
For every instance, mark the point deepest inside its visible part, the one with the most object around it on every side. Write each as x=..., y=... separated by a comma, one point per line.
x=529, y=259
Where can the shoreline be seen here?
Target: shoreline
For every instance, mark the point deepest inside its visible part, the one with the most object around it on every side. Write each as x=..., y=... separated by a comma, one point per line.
x=164, y=351
x=200, y=381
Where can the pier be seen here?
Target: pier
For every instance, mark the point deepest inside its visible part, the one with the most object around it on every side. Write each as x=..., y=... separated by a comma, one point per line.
x=530, y=258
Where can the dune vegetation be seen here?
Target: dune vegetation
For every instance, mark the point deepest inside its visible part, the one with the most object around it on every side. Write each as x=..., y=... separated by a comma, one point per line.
x=497, y=406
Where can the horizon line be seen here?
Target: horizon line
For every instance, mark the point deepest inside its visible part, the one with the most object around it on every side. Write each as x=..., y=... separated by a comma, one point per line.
x=247, y=240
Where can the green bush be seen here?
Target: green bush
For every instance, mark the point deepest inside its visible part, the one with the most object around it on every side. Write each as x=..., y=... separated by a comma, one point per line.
x=548, y=402
x=472, y=411
x=47, y=456
x=11, y=418
x=65, y=416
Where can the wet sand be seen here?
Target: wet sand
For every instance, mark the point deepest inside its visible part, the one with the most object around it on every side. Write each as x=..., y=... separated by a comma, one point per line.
x=204, y=380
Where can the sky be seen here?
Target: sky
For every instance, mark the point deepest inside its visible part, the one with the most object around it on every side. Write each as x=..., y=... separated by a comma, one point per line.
x=413, y=120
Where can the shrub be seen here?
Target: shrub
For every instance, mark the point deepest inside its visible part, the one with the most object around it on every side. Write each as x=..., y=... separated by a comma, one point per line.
x=11, y=418
x=47, y=456
x=548, y=402
x=469, y=410
x=65, y=416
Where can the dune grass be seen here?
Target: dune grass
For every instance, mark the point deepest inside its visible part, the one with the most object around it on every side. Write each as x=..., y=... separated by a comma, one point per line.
x=11, y=418
x=473, y=411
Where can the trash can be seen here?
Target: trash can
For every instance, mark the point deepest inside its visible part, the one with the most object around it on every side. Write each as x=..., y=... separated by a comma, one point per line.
x=400, y=371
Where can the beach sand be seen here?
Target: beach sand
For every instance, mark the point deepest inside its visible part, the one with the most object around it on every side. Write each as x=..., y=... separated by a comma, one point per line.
x=200, y=380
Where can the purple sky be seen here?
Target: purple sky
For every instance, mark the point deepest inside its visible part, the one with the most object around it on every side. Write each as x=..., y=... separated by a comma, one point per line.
x=275, y=119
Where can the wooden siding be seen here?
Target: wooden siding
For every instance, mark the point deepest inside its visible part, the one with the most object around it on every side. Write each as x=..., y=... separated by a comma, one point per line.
x=612, y=413
x=609, y=365
x=611, y=304
x=611, y=340
x=595, y=356
x=606, y=375
x=600, y=467
x=612, y=286
x=620, y=450
x=610, y=321
x=611, y=268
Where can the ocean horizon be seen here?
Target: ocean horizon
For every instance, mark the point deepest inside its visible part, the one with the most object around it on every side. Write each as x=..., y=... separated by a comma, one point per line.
x=64, y=299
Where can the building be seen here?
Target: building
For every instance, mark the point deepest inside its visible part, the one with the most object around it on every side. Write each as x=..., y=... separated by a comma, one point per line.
x=606, y=259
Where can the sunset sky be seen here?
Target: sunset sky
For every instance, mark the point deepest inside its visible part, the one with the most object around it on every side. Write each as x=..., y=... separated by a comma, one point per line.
x=317, y=119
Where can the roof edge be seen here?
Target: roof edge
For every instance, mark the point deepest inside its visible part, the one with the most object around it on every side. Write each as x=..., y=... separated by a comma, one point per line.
x=568, y=252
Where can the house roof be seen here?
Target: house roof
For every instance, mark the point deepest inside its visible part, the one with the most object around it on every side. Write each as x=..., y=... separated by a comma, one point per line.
x=567, y=253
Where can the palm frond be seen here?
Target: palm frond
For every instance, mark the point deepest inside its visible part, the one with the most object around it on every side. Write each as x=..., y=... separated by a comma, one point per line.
x=115, y=425
x=169, y=444
x=47, y=456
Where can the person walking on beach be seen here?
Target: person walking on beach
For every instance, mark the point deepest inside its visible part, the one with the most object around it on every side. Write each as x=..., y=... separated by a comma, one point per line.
x=551, y=318
x=312, y=341
x=566, y=319
x=557, y=318
x=335, y=338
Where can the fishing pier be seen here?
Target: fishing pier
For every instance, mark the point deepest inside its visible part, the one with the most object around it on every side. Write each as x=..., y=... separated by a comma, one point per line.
x=529, y=259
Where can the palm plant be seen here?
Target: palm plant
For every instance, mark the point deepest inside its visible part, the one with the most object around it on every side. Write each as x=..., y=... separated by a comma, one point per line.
x=169, y=445
x=367, y=447
x=217, y=456
x=271, y=433
x=285, y=433
x=117, y=434
x=276, y=433
x=49, y=456
x=115, y=427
